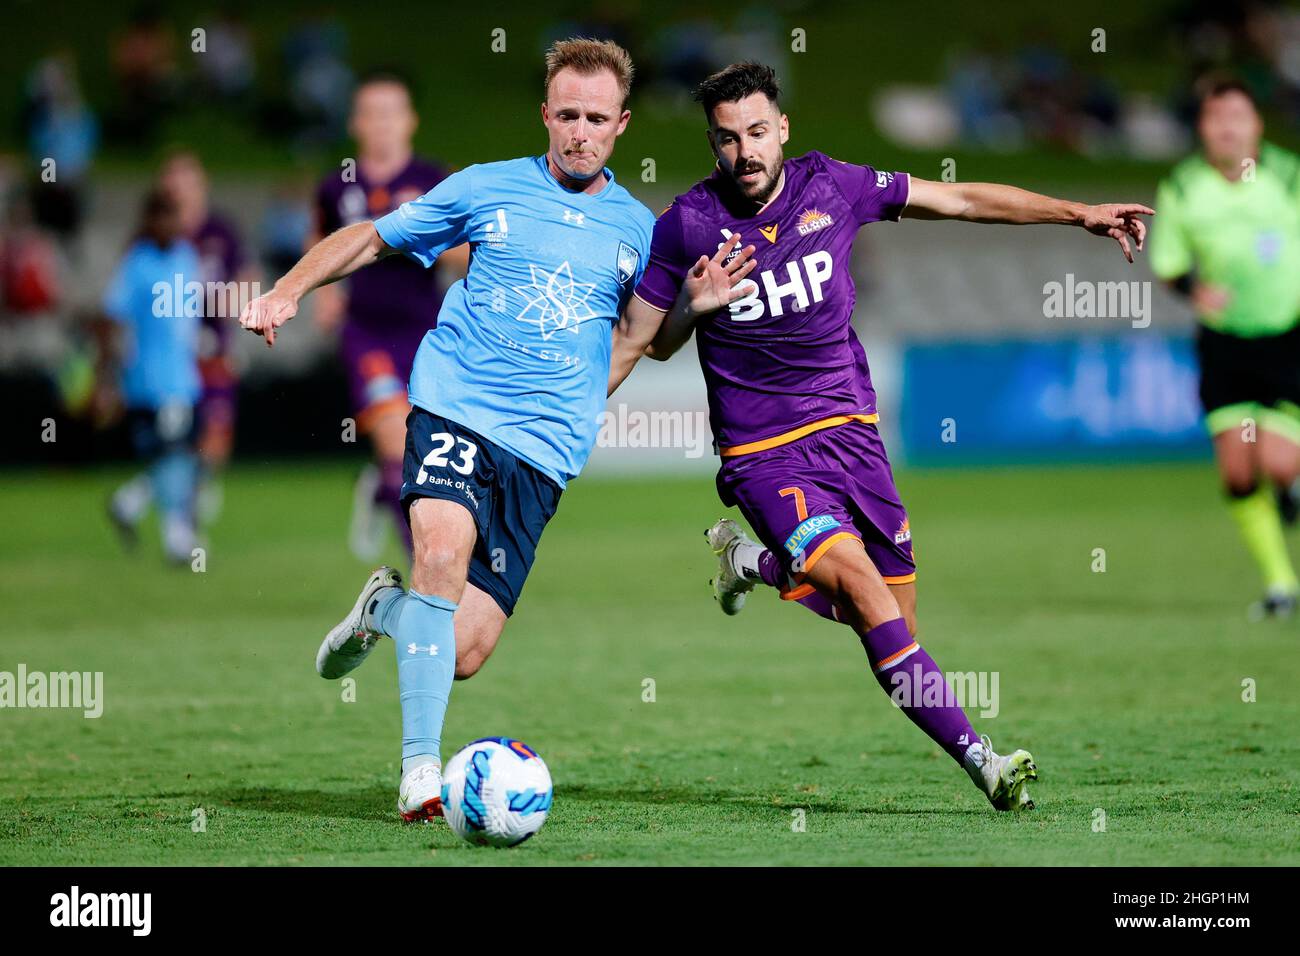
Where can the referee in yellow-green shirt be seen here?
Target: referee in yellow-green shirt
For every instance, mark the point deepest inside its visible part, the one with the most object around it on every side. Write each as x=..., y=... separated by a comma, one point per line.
x=1228, y=237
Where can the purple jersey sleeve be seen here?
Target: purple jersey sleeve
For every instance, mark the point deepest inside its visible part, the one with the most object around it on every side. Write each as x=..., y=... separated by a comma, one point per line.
x=427, y=227
x=873, y=195
x=668, y=264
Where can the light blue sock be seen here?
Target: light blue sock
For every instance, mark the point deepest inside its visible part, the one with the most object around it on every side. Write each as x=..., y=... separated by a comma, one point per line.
x=174, y=477
x=416, y=623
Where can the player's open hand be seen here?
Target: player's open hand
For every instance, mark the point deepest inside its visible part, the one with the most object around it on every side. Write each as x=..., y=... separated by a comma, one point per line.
x=1119, y=221
x=267, y=313
x=711, y=284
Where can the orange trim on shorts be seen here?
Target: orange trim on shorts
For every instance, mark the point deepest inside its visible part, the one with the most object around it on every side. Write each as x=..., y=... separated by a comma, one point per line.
x=824, y=547
x=394, y=403
x=763, y=444
x=901, y=579
x=803, y=590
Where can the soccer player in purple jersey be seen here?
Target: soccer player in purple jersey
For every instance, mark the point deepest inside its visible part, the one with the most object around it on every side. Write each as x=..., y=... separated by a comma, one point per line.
x=790, y=396
x=381, y=313
x=221, y=255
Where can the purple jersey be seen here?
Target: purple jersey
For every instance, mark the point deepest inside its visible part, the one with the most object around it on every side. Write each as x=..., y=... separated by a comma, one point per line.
x=221, y=257
x=783, y=360
x=395, y=297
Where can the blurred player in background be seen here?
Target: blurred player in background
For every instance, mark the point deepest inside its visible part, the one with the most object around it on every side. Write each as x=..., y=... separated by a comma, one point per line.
x=222, y=258
x=149, y=353
x=1228, y=238
x=790, y=395
x=381, y=313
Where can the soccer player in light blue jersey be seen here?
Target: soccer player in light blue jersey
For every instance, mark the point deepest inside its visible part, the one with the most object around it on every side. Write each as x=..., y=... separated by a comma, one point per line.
x=506, y=390
x=151, y=346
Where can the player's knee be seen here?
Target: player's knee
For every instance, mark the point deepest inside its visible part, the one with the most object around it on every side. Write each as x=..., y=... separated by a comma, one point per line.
x=1239, y=485
x=861, y=598
x=433, y=556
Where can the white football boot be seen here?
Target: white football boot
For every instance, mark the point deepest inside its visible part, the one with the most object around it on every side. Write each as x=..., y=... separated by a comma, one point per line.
x=1002, y=779
x=419, y=798
x=353, y=638
x=730, y=586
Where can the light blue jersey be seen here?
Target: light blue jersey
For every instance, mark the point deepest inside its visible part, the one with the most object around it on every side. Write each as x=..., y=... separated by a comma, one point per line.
x=522, y=347
x=161, y=344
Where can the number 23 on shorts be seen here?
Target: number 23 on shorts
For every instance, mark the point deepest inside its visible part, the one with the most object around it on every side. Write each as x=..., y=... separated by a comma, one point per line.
x=438, y=455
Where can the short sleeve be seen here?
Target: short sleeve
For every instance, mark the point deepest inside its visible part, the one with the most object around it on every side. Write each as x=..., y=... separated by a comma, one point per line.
x=425, y=228
x=1171, y=253
x=873, y=195
x=668, y=265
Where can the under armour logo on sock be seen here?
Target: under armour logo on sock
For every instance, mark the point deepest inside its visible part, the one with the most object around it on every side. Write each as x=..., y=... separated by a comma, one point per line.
x=413, y=649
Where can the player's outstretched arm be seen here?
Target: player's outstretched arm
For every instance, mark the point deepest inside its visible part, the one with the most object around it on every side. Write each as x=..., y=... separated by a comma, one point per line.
x=337, y=255
x=709, y=285
x=996, y=203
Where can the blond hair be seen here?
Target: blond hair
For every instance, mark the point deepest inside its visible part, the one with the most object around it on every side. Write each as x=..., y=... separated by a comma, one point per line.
x=586, y=57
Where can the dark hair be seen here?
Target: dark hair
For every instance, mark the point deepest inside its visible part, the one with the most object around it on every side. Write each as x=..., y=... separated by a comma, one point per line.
x=157, y=202
x=1214, y=85
x=388, y=74
x=736, y=82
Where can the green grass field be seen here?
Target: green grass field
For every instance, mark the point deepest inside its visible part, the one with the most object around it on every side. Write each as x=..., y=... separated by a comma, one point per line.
x=1127, y=685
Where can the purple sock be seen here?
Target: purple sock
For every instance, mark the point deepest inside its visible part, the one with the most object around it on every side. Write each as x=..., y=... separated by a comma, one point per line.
x=769, y=569
x=908, y=675
x=389, y=494
x=820, y=604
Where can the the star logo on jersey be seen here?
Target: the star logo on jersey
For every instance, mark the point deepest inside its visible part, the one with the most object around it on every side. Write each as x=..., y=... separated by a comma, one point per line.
x=555, y=301
x=769, y=232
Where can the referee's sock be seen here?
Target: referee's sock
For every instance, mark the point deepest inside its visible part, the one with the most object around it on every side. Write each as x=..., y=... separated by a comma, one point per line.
x=1257, y=516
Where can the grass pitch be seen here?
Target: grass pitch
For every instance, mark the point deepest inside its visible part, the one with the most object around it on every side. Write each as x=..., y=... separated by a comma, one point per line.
x=1127, y=685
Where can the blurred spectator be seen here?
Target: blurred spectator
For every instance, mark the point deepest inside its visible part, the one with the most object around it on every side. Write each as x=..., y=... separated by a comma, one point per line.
x=61, y=128
x=29, y=264
x=144, y=68
x=320, y=81
x=227, y=68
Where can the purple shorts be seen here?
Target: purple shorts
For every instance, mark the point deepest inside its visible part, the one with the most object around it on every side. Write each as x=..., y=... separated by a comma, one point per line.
x=806, y=495
x=218, y=396
x=378, y=366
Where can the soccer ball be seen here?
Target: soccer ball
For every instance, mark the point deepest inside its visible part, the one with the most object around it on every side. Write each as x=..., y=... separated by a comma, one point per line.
x=496, y=792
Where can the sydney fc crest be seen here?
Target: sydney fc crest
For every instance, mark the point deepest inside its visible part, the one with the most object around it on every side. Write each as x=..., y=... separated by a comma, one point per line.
x=628, y=258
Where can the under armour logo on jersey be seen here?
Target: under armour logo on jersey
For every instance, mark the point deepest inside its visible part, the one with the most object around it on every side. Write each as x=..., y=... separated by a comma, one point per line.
x=413, y=649
x=574, y=217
